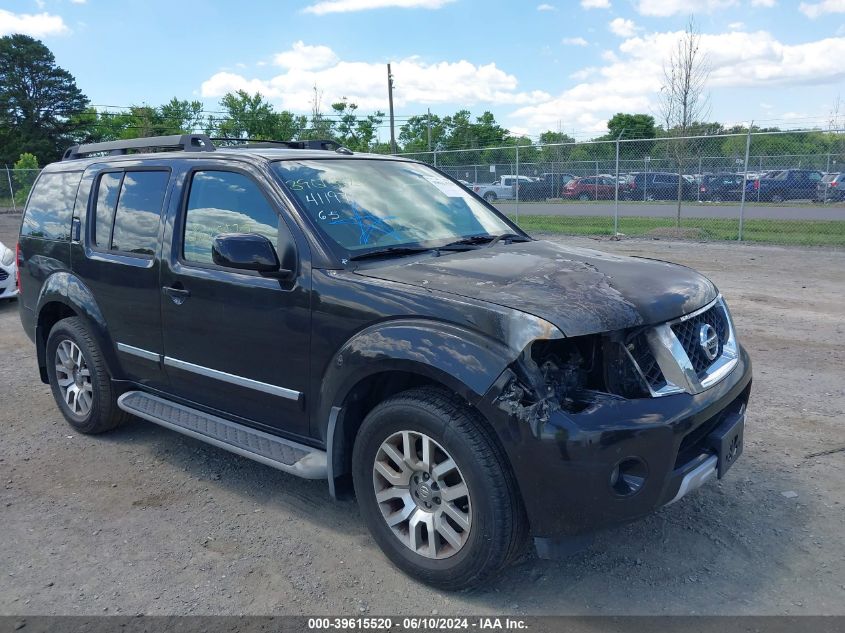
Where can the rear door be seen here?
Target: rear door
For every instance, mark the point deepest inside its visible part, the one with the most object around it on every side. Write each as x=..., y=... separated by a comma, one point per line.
x=118, y=257
x=235, y=342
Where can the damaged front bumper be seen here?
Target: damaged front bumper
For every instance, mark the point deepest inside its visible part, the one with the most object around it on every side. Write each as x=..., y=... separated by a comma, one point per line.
x=616, y=459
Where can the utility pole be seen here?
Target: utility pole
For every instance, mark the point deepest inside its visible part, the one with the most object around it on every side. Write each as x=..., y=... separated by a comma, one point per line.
x=390, y=101
x=428, y=124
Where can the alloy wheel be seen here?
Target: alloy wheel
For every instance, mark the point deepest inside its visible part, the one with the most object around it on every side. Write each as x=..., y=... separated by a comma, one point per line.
x=422, y=495
x=74, y=378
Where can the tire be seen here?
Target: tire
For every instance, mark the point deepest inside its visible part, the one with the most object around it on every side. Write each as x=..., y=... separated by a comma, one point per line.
x=492, y=529
x=717, y=198
x=93, y=409
x=776, y=198
x=584, y=197
x=490, y=197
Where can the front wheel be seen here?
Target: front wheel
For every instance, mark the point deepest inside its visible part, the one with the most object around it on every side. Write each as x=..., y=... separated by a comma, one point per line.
x=436, y=491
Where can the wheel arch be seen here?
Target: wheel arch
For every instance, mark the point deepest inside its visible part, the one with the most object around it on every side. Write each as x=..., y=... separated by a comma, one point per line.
x=63, y=295
x=388, y=358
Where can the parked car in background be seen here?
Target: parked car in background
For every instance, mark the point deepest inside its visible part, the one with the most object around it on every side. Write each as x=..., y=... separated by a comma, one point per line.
x=502, y=189
x=721, y=187
x=656, y=185
x=8, y=273
x=789, y=184
x=545, y=187
x=590, y=188
x=831, y=188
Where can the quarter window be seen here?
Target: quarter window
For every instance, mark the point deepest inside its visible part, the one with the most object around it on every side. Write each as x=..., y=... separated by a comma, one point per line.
x=224, y=202
x=107, y=192
x=50, y=207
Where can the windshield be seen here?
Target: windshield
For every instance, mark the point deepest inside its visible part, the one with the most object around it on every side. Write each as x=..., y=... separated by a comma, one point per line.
x=363, y=204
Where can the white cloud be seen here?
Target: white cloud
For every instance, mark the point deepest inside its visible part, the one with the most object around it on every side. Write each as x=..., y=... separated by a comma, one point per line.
x=348, y=6
x=574, y=41
x=816, y=9
x=595, y=4
x=36, y=25
x=631, y=81
x=546, y=7
x=736, y=26
x=78, y=1
x=622, y=27
x=664, y=8
x=305, y=57
x=364, y=83
x=768, y=4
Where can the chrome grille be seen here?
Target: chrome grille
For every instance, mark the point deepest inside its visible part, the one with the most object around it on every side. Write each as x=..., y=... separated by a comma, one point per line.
x=688, y=334
x=670, y=359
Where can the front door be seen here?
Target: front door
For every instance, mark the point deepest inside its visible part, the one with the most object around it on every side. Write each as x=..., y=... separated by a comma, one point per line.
x=235, y=342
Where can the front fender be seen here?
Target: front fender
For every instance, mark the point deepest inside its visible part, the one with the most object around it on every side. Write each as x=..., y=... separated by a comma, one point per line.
x=67, y=289
x=466, y=362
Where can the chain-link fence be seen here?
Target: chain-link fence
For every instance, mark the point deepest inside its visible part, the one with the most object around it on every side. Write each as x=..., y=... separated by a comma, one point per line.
x=779, y=187
x=14, y=188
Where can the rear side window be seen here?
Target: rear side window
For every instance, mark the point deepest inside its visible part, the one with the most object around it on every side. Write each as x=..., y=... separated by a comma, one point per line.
x=126, y=217
x=50, y=207
x=106, y=202
x=224, y=202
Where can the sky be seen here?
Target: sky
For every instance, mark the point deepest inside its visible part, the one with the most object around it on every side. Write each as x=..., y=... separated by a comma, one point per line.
x=562, y=66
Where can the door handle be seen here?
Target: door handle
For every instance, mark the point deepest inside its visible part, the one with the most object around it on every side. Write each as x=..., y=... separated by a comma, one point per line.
x=178, y=295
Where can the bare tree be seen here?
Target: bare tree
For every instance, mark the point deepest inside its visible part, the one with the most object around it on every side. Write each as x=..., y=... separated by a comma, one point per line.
x=683, y=98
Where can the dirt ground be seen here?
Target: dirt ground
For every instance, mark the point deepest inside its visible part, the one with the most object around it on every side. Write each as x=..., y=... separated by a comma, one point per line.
x=144, y=520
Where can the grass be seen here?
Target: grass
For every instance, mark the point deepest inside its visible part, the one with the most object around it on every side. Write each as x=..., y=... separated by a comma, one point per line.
x=799, y=232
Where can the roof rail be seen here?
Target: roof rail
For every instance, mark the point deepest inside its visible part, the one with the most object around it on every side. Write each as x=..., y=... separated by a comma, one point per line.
x=320, y=144
x=184, y=142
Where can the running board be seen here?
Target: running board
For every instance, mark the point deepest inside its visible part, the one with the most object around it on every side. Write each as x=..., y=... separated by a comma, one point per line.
x=271, y=450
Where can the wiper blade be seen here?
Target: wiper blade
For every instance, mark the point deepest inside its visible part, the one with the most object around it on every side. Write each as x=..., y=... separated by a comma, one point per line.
x=389, y=251
x=478, y=240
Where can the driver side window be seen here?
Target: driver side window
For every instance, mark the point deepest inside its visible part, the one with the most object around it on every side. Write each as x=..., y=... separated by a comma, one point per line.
x=224, y=202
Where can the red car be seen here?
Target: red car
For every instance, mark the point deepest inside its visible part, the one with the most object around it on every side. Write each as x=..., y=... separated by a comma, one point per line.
x=590, y=188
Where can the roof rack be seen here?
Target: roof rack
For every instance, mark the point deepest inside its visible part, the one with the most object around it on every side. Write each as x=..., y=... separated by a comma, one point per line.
x=319, y=144
x=184, y=142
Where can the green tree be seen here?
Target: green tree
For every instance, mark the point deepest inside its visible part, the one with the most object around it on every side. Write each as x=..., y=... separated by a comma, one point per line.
x=37, y=101
x=636, y=126
x=413, y=135
x=26, y=171
x=352, y=131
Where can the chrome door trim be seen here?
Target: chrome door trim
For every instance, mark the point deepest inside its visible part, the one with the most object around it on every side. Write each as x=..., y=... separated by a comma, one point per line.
x=233, y=379
x=140, y=353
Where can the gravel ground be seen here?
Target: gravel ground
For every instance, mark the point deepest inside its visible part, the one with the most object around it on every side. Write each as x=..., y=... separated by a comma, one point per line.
x=144, y=520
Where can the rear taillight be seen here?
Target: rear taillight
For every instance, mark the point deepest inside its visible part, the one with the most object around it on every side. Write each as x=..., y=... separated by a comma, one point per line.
x=19, y=261
x=703, y=190
x=476, y=188
x=756, y=184
x=833, y=184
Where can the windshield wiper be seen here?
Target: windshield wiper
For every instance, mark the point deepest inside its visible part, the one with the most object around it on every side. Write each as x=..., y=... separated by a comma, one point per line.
x=389, y=251
x=481, y=240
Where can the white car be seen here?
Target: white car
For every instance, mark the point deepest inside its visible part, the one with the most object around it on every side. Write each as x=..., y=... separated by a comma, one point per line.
x=8, y=273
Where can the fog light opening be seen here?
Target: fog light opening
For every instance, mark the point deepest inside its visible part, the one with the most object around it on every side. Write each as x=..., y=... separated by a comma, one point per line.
x=628, y=476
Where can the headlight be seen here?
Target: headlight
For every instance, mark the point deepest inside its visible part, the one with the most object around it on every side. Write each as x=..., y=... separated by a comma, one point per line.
x=8, y=257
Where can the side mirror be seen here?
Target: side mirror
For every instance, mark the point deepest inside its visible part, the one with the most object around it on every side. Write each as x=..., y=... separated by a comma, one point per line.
x=247, y=251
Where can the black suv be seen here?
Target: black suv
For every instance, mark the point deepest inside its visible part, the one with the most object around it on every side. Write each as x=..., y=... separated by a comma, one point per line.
x=656, y=185
x=366, y=320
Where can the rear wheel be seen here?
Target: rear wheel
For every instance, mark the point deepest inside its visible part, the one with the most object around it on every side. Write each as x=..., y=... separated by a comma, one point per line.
x=79, y=381
x=436, y=491
x=776, y=197
x=584, y=197
x=490, y=197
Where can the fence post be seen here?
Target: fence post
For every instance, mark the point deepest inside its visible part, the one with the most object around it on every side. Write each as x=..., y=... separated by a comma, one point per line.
x=11, y=189
x=435, y=159
x=517, y=183
x=744, y=181
x=616, y=188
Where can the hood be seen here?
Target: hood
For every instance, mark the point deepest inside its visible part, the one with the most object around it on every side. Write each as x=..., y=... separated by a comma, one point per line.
x=581, y=291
